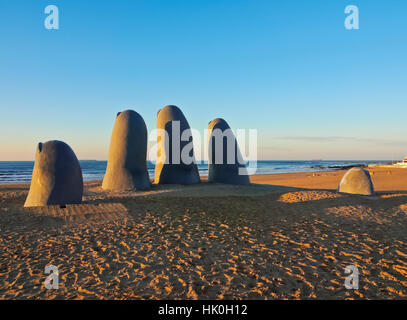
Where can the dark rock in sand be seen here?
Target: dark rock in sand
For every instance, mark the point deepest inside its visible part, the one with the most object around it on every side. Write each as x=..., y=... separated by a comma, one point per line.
x=126, y=165
x=357, y=181
x=171, y=168
x=57, y=176
x=347, y=167
x=222, y=168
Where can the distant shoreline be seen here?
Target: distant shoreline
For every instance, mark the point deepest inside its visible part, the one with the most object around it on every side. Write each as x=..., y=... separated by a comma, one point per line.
x=19, y=172
x=385, y=179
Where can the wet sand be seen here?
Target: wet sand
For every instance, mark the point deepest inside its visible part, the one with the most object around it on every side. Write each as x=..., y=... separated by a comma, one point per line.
x=287, y=236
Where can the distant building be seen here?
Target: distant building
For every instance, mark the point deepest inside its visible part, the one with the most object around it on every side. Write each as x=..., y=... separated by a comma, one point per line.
x=403, y=163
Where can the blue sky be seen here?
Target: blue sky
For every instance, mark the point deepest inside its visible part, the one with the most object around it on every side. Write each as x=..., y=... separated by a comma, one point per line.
x=289, y=69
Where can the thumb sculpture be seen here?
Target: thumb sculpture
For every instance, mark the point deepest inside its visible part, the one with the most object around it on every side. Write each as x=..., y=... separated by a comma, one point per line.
x=224, y=162
x=126, y=165
x=57, y=176
x=175, y=154
x=357, y=181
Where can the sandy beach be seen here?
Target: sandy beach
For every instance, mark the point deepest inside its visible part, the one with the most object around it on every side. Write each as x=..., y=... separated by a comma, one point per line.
x=286, y=236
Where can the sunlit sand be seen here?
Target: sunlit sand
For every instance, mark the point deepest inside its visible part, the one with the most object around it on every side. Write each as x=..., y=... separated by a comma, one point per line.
x=287, y=236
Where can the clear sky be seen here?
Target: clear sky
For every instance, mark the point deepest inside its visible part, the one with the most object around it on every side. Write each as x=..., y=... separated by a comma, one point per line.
x=287, y=68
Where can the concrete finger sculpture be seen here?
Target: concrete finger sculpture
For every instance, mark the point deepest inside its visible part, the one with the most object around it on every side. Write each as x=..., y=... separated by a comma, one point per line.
x=175, y=155
x=224, y=155
x=126, y=165
x=57, y=176
x=357, y=181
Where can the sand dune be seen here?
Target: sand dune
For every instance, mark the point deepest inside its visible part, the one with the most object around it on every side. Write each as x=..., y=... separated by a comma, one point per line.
x=291, y=239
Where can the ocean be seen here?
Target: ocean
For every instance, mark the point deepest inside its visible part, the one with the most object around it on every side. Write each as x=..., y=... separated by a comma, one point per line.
x=14, y=172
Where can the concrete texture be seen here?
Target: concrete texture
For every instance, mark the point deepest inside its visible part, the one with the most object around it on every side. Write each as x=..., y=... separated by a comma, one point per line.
x=57, y=176
x=170, y=167
x=220, y=170
x=357, y=181
x=126, y=165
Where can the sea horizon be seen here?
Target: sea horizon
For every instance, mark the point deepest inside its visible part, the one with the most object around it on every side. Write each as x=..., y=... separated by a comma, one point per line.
x=20, y=172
